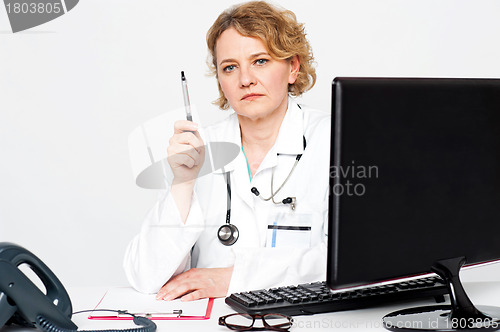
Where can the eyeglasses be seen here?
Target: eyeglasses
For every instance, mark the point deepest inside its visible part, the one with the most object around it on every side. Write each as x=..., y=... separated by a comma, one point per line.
x=245, y=322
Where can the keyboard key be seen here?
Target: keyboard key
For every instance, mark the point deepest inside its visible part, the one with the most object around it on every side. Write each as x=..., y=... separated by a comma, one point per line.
x=243, y=300
x=404, y=285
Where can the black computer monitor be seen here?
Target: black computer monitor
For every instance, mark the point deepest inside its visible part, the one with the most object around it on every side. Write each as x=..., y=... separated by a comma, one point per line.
x=414, y=179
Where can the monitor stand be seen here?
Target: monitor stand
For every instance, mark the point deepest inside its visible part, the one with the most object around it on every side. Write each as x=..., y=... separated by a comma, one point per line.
x=460, y=315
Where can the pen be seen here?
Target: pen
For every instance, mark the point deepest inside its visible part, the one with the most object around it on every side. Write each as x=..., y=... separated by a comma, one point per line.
x=187, y=105
x=125, y=313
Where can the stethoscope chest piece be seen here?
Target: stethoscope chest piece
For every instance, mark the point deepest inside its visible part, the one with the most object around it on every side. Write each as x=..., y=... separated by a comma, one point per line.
x=228, y=234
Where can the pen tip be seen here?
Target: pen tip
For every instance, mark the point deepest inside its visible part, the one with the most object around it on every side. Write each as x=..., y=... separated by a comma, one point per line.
x=182, y=76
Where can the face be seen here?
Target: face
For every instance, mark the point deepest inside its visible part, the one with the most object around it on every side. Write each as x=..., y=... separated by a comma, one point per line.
x=254, y=83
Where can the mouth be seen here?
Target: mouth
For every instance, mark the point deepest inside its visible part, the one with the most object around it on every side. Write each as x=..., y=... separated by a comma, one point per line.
x=251, y=96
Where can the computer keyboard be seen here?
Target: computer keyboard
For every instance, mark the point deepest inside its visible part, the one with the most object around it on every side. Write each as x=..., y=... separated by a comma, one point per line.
x=306, y=299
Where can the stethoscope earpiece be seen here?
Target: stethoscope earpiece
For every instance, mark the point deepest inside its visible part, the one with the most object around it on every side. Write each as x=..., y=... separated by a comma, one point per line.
x=289, y=200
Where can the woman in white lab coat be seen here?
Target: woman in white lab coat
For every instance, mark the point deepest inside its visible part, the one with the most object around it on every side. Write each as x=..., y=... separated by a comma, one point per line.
x=260, y=57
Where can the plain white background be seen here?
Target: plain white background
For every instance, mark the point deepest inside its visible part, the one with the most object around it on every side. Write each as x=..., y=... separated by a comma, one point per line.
x=73, y=89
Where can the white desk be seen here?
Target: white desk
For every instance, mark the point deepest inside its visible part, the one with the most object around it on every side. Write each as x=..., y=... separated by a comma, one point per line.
x=486, y=293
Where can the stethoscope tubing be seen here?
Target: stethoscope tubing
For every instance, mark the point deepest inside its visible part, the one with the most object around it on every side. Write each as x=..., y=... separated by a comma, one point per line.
x=228, y=233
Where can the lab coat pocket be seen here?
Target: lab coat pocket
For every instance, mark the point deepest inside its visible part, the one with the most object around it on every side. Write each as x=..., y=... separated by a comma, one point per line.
x=289, y=230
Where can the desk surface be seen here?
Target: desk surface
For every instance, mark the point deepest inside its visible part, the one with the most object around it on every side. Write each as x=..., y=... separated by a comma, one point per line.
x=481, y=293
x=486, y=293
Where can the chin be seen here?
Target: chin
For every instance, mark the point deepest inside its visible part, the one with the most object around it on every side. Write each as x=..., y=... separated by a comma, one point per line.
x=251, y=110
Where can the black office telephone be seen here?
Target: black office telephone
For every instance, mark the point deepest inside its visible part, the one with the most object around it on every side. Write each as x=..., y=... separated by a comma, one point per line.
x=23, y=303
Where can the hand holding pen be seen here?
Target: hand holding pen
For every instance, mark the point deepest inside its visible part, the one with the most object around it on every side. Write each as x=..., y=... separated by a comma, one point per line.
x=186, y=151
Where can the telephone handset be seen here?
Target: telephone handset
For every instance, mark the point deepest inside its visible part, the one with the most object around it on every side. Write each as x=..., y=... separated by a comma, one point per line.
x=23, y=303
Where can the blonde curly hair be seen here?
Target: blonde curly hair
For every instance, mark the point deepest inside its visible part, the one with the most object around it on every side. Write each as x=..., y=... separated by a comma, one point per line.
x=279, y=31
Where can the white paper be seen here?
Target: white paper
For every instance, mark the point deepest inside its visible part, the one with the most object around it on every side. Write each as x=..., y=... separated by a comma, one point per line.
x=126, y=298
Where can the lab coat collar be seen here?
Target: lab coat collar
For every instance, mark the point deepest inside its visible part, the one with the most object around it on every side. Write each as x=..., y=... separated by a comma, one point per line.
x=290, y=138
x=289, y=141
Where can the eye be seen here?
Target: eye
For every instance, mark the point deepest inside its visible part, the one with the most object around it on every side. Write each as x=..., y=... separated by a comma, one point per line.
x=229, y=68
x=261, y=62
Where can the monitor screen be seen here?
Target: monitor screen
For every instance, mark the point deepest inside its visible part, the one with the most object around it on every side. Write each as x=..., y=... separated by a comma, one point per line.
x=414, y=176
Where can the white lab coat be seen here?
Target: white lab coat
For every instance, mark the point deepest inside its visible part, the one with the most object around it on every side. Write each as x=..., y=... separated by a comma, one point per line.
x=261, y=257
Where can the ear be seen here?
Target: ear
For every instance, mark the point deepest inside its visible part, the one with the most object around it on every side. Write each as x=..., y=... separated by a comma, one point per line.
x=294, y=69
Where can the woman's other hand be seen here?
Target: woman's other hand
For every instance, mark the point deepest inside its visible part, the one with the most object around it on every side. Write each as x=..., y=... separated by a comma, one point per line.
x=197, y=284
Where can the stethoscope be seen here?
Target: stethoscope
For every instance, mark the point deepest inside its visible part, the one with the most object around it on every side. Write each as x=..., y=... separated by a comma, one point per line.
x=228, y=233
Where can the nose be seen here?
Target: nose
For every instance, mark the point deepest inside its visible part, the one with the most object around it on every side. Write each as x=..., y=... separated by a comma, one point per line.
x=247, y=77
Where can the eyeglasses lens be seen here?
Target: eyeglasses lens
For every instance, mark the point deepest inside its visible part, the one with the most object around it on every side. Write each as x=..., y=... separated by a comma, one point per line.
x=278, y=321
x=239, y=320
